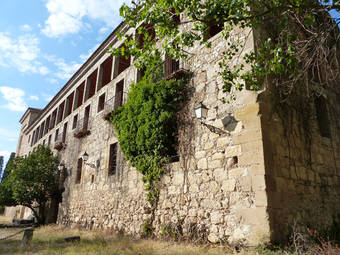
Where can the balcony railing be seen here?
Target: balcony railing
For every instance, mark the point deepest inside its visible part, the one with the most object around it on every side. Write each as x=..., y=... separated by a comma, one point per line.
x=82, y=128
x=59, y=142
x=112, y=104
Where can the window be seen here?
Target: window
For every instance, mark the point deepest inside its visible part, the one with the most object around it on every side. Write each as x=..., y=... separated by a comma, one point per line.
x=86, y=117
x=119, y=94
x=113, y=159
x=49, y=140
x=101, y=102
x=56, y=135
x=171, y=66
x=140, y=74
x=213, y=28
x=75, y=120
x=105, y=72
x=64, y=132
x=91, y=85
x=322, y=116
x=41, y=130
x=79, y=169
x=122, y=65
x=47, y=124
x=60, y=112
x=53, y=119
x=69, y=104
x=79, y=96
x=44, y=142
x=149, y=29
x=29, y=139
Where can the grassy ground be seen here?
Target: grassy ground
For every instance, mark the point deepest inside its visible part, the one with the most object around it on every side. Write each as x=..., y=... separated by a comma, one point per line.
x=49, y=240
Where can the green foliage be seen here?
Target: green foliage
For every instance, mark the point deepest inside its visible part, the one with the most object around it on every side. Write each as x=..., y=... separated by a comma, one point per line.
x=32, y=181
x=147, y=128
x=294, y=38
x=147, y=229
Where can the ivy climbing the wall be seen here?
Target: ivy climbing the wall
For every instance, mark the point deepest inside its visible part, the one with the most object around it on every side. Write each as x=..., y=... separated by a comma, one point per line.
x=147, y=126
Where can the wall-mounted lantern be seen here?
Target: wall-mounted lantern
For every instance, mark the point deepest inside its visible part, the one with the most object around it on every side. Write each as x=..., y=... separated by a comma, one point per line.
x=201, y=112
x=61, y=166
x=85, y=158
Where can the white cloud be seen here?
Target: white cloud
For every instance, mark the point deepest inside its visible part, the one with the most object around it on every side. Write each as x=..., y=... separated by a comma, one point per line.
x=47, y=97
x=9, y=135
x=14, y=97
x=84, y=57
x=52, y=80
x=35, y=98
x=67, y=16
x=26, y=28
x=6, y=154
x=103, y=30
x=21, y=53
x=65, y=70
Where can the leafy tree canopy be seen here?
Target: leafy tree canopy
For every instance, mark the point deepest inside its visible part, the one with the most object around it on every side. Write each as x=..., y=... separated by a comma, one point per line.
x=297, y=38
x=32, y=181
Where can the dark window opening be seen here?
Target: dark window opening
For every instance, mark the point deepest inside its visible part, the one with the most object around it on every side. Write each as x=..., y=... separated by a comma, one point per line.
x=322, y=116
x=113, y=159
x=56, y=135
x=123, y=63
x=171, y=66
x=49, y=140
x=213, y=28
x=86, y=117
x=60, y=112
x=101, y=102
x=140, y=74
x=75, y=120
x=92, y=178
x=29, y=139
x=44, y=142
x=47, y=125
x=53, y=119
x=69, y=104
x=105, y=72
x=64, y=133
x=41, y=130
x=175, y=18
x=119, y=94
x=79, y=169
x=149, y=29
x=79, y=95
x=91, y=85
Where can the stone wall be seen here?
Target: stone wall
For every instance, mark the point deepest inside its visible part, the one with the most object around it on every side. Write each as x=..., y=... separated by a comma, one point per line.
x=216, y=190
x=302, y=166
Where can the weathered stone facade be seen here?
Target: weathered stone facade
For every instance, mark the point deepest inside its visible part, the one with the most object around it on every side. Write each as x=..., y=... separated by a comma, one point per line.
x=244, y=183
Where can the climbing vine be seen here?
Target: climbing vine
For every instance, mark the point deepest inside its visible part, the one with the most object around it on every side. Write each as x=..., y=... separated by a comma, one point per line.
x=295, y=40
x=147, y=125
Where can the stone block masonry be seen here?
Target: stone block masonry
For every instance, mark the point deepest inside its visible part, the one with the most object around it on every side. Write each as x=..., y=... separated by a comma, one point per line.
x=249, y=183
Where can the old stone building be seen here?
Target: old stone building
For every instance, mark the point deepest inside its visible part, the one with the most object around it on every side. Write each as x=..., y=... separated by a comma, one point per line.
x=246, y=173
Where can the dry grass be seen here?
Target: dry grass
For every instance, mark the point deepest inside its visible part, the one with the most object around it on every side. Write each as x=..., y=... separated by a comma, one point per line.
x=48, y=240
x=4, y=220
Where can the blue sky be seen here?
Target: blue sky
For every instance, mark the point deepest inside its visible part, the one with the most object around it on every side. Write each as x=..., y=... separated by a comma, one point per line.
x=42, y=43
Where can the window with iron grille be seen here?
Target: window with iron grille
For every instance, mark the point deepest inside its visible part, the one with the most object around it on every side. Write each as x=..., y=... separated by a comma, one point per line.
x=171, y=66
x=113, y=159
